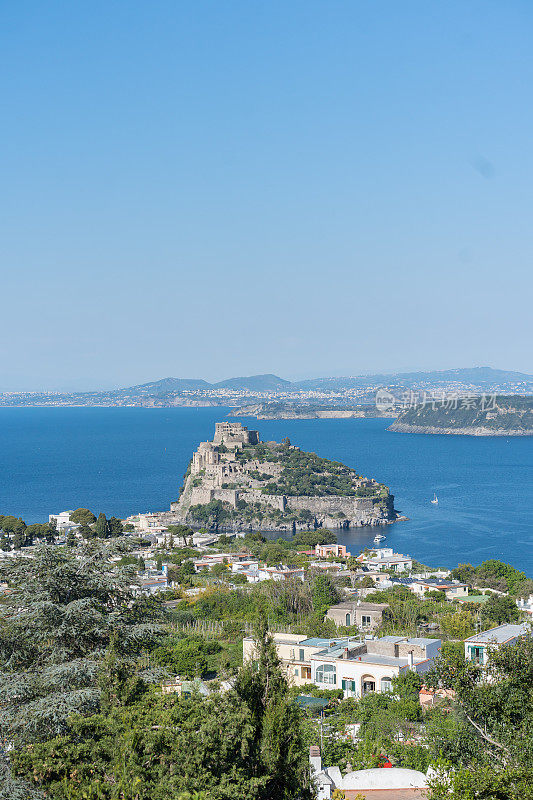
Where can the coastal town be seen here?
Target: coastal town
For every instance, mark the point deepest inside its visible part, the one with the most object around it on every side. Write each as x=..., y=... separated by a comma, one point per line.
x=270, y=395
x=373, y=622
x=349, y=635
x=266, y=401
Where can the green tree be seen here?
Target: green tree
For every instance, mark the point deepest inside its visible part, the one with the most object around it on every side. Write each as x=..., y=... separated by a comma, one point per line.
x=102, y=527
x=9, y=524
x=277, y=747
x=486, y=743
x=82, y=516
x=186, y=657
x=87, y=532
x=18, y=541
x=63, y=611
x=498, y=610
x=245, y=744
x=180, y=532
x=51, y=532
x=324, y=594
x=115, y=527
x=218, y=570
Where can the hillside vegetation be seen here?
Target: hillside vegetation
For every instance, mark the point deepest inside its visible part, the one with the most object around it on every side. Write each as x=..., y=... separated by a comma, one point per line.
x=503, y=415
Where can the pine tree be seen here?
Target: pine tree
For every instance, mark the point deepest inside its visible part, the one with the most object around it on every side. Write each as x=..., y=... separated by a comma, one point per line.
x=115, y=526
x=324, y=594
x=74, y=605
x=18, y=540
x=82, y=516
x=278, y=753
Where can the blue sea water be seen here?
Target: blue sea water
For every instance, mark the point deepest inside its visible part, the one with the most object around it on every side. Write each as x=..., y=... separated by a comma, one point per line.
x=124, y=460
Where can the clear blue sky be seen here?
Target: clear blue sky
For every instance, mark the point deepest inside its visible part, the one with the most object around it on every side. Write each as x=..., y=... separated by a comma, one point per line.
x=207, y=189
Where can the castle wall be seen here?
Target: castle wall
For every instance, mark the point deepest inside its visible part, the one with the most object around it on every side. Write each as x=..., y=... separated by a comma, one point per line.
x=217, y=469
x=256, y=496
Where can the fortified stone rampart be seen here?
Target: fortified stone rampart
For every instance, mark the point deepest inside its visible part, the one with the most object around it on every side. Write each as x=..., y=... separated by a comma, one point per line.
x=217, y=473
x=233, y=434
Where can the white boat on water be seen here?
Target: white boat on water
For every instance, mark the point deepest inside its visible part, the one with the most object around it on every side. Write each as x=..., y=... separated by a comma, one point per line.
x=378, y=537
x=435, y=500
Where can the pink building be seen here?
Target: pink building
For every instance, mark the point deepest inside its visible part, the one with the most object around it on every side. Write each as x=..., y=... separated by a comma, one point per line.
x=325, y=550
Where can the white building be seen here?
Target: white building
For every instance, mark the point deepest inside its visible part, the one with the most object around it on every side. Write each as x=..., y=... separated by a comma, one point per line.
x=454, y=590
x=526, y=604
x=357, y=667
x=358, y=674
x=477, y=647
x=281, y=573
x=383, y=558
x=63, y=521
x=395, y=783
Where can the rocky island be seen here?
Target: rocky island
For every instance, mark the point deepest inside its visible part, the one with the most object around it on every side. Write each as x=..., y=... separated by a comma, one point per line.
x=488, y=415
x=236, y=480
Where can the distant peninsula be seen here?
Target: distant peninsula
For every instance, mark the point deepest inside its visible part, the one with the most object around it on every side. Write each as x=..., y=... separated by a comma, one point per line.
x=479, y=416
x=238, y=481
x=291, y=410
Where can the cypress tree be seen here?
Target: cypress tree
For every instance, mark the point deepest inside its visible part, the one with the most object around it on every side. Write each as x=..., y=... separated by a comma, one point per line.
x=102, y=527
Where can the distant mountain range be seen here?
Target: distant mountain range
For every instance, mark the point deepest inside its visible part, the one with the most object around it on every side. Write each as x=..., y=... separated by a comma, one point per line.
x=257, y=383
x=475, y=376
x=196, y=391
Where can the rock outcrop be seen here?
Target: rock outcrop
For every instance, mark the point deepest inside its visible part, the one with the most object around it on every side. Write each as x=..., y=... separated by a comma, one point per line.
x=238, y=481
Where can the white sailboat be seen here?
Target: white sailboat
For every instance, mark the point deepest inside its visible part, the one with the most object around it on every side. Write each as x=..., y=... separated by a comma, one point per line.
x=435, y=500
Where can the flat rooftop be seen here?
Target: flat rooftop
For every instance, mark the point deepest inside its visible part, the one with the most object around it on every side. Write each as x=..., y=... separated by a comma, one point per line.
x=353, y=604
x=329, y=643
x=418, y=640
x=501, y=634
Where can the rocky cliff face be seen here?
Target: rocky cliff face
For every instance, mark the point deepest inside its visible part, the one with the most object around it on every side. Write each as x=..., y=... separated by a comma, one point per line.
x=237, y=483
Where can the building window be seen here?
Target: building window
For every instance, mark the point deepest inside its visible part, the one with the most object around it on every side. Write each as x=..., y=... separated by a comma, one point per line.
x=348, y=623
x=365, y=621
x=296, y=671
x=348, y=685
x=476, y=654
x=306, y=673
x=368, y=684
x=302, y=654
x=386, y=685
x=326, y=673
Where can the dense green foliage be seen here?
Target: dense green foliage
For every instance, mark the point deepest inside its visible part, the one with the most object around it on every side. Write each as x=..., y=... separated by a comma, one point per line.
x=242, y=745
x=187, y=657
x=496, y=575
x=486, y=744
x=305, y=473
x=55, y=626
x=83, y=516
x=503, y=413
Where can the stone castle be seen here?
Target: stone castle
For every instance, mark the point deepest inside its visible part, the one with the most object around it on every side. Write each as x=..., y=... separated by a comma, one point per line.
x=217, y=473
